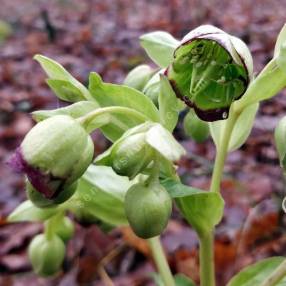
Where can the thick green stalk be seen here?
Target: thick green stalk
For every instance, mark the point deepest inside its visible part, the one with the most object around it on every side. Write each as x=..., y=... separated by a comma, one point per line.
x=51, y=224
x=161, y=261
x=207, y=273
x=207, y=267
x=276, y=276
x=222, y=152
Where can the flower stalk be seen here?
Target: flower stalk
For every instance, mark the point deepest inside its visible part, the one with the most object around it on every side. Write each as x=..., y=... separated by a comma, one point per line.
x=161, y=261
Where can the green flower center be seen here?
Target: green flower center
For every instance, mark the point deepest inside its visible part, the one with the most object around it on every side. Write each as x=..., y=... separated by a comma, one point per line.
x=206, y=76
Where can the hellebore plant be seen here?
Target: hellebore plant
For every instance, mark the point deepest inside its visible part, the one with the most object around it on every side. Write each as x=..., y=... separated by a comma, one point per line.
x=208, y=72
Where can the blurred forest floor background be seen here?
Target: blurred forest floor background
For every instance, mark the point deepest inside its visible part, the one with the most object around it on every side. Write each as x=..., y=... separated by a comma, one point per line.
x=102, y=36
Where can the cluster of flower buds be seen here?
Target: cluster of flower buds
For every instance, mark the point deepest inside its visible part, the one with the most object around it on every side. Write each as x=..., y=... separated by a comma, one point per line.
x=210, y=70
x=53, y=156
x=140, y=151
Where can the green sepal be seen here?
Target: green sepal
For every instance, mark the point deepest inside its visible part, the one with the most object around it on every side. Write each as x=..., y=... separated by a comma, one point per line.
x=153, y=135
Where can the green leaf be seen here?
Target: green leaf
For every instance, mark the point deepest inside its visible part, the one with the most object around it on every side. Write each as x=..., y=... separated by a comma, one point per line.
x=203, y=210
x=26, y=211
x=100, y=195
x=183, y=280
x=281, y=39
x=180, y=280
x=270, y=81
x=255, y=274
x=107, y=94
x=168, y=107
x=65, y=90
x=241, y=130
x=75, y=110
x=159, y=46
x=65, y=86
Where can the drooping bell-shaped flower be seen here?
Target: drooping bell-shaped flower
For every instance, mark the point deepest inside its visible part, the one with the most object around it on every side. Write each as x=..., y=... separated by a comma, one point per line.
x=148, y=208
x=46, y=255
x=54, y=154
x=209, y=71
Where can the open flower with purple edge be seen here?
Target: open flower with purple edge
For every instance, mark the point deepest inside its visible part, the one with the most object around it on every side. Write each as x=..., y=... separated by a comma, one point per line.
x=54, y=154
x=209, y=71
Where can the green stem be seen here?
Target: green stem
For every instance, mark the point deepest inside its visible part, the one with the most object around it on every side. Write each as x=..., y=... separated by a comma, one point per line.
x=207, y=267
x=155, y=171
x=276, y=276
x=52, y=223
x=222, y=152
x=49, y=232
x=86, y=119
x=207, y=272
x=161, y=261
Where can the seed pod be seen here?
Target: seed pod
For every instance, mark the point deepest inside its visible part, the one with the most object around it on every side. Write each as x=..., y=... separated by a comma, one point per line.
x=65, y=229
x=148, y=209
x=46, y=255
x=39, y=200
x=132, y=155
x=139, y=76
x=210, y=70
x=196, y=128
x=54, y=154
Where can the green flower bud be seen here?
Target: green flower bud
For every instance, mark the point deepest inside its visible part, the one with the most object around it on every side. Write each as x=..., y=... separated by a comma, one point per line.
x=46, y=255
x=40, y=201
x=152, y=87
x=196, y=128
x=65, y=229
x=210, y=70
x=132, y=155
x=280, y=141
x=138, y=77
x=148, y=209
x=55, y=153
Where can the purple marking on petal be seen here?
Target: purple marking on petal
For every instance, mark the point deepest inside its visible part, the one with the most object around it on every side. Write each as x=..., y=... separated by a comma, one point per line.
x=16, y=162
x=42, y=182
